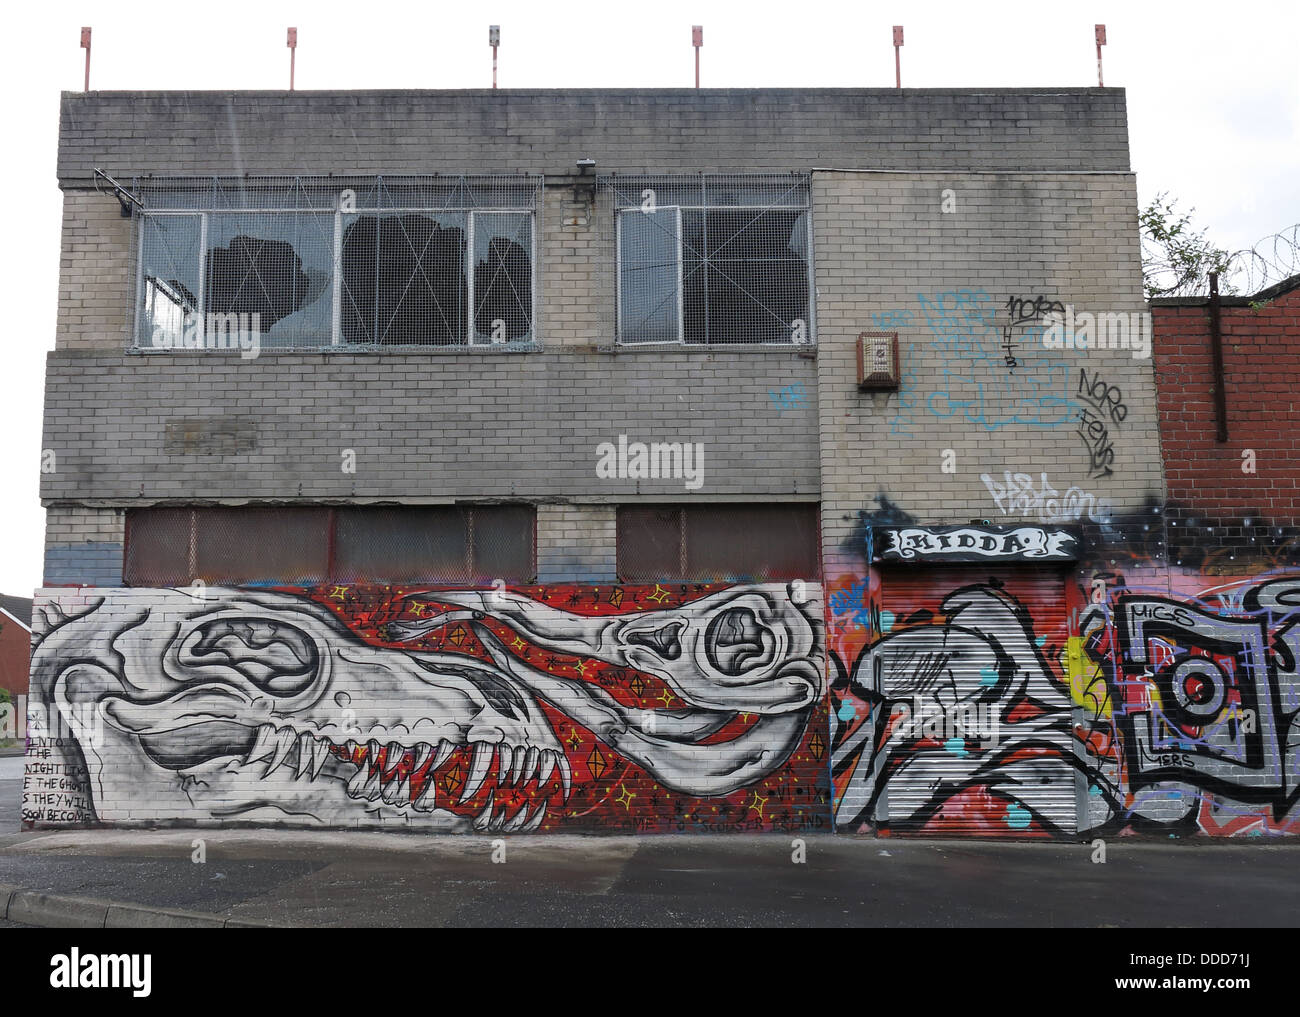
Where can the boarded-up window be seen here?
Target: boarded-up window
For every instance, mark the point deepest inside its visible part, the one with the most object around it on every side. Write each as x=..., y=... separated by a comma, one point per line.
x=449, y=543
x=712, y=543
x=304, y=545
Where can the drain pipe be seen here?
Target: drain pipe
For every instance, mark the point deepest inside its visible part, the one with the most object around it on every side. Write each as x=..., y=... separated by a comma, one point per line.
x=1216, y=352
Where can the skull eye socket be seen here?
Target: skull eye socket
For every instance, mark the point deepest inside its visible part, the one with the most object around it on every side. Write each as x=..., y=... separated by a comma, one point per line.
x=735, y=641
x=276, y=657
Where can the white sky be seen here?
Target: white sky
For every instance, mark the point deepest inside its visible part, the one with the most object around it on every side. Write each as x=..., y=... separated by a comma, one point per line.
x=1213, y=99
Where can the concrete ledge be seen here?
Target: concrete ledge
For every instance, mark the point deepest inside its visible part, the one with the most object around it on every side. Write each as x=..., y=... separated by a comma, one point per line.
x=121, y=916
x=30, y=907
x=33, y=908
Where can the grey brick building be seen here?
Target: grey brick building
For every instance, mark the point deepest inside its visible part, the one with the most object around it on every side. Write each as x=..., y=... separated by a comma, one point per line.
x=552, y=493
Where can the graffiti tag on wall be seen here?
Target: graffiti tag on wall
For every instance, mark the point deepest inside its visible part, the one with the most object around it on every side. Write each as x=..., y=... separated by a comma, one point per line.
x=974, y=346
x=1016, y=495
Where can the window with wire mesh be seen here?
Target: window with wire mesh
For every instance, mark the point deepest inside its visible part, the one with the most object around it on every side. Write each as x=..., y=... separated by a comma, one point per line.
x=337, y=263
x=305, y=545
x=712, y=259
x=716, y=543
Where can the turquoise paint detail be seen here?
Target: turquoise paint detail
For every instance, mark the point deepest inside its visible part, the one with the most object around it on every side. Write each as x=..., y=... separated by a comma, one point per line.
x=1094, y=790
x=886, y=620
x=1040, y=640
x=1017, y=816
x=847, y=712
x=989, y=676
x=957, y=746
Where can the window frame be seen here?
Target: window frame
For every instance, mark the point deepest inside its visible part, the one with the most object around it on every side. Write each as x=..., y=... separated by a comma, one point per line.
x=620, y=209
x=469, y=341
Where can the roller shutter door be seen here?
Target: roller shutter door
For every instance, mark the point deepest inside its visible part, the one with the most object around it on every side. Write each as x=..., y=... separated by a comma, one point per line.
x=978, y=656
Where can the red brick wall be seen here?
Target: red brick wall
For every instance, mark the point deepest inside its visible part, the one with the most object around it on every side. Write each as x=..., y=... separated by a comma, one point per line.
x=1261, y=356
x=15, y=655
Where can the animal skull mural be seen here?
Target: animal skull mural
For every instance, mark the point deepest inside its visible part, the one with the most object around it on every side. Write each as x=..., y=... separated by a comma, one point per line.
x=441, y=710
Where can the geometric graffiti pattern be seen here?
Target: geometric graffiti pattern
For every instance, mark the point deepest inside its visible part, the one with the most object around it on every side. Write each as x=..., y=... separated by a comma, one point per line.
x=1166, y=712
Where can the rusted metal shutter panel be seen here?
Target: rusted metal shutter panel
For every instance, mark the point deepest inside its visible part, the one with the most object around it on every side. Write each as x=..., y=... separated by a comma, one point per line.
x=971, y=669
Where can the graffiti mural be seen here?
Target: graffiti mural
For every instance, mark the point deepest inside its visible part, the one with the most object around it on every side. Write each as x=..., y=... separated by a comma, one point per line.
x=1192, y=706
x=509, y=710
x=958, y=709
x=1125, y=710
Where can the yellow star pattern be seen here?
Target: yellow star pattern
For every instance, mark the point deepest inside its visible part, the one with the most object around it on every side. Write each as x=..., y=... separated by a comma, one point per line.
x=757, y=805
x=659, y=595
x=625, y=798
x=337, y=592
x=666, y=697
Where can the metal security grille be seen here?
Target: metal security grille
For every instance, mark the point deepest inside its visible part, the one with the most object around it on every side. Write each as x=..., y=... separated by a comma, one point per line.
x=714, y=543
x=336, y=263
x=304, y=545
x=941, y=788
x=712, y=259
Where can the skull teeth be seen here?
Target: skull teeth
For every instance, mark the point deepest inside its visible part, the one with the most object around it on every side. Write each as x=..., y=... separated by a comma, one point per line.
x=305, y=747
x=514, y=766
x=286, y=739
x=521, y=822
x=478, y=770
x=445, y=749
x=265, y=744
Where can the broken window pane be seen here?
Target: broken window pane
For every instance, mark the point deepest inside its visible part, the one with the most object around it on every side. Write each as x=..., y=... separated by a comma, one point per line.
x=277, y=266
x=503, y=270
x=403, y=279
x=169, y=278
x=649, y=275
x=745, y=274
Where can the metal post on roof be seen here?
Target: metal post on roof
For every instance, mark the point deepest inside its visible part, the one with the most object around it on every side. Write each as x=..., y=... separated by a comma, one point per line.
x=1099, y=33
x=293, y=52
x=85, y=44
x=697, y=40
x=898, y=63
x=494, y=40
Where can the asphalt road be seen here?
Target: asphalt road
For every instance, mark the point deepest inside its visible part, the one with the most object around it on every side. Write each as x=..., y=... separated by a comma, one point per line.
x=345, y=879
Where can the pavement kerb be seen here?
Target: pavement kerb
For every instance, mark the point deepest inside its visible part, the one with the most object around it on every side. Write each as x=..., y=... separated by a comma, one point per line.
x=31, y=907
